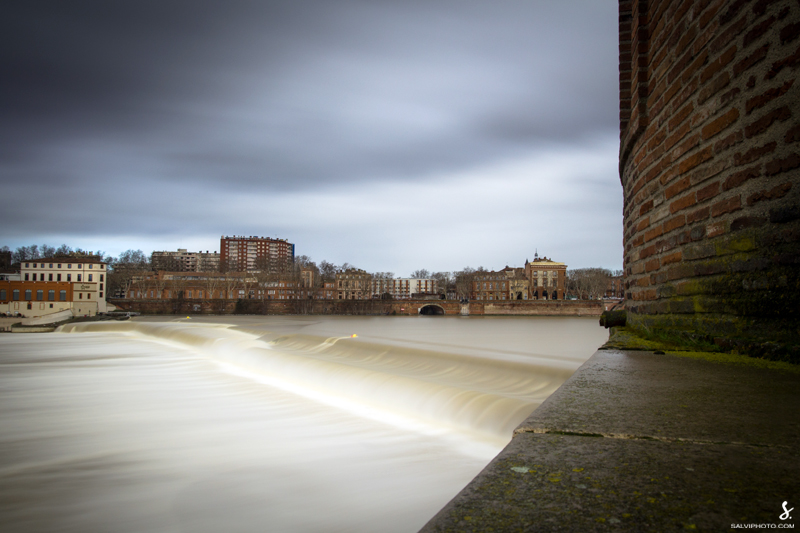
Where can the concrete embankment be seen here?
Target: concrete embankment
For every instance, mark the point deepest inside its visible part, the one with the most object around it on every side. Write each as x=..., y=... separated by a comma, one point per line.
x=369, y=307
x=638, y=441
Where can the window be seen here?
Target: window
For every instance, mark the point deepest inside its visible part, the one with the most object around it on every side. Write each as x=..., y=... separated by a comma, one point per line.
x=79, y=277
x=28, y=294
x=101, y=294
x=90, y=266
x=15, y=294
x=58, y=277
x=69, y=277
x=62, y=295
x=51, y=265
x=80, y=296
x=26, y=277
x=49, y=277
x=88, y=295
x=90, y=277
x=101, y=278
x=39, y=295
x=51, y=295
x=2, y=294
x=69, y=265
x=59, y=265
x=27, y=265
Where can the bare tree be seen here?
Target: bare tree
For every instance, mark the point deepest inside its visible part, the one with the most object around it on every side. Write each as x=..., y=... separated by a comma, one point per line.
x=63, y=250
x=129, y=266
x=327, y=271
x=588, y=283
x=25, y=253
x=445, y=282
x=463, y=282
x=421, y=274
x=211, y=284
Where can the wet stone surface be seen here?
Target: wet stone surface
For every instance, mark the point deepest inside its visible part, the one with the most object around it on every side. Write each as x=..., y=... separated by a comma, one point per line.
x=642, y=442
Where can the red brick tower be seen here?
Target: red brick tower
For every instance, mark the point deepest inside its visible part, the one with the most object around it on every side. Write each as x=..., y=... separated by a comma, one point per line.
x=710, y=166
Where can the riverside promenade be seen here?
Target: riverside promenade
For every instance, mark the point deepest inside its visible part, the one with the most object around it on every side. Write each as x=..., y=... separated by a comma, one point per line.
x=646, y=441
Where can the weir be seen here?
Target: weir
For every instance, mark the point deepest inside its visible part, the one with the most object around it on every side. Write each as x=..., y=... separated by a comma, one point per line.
x=366, y=420
x=486, y=398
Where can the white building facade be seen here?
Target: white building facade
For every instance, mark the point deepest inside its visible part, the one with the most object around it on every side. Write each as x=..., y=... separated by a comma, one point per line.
x=87, y=274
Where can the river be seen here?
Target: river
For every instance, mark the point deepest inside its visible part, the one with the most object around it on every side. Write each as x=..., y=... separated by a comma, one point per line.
x=238, y=424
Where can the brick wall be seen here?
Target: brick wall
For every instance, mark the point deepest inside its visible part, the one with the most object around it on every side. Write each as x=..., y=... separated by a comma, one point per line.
x=710, y=167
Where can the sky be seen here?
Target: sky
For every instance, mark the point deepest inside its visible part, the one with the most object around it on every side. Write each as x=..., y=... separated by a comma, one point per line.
x=392, y=135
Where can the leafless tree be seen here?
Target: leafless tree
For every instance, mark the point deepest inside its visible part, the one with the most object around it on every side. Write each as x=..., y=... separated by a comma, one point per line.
x=588, y=283
x=131, y=265
x=327, y=271
x=463, y=282
x=445, y=282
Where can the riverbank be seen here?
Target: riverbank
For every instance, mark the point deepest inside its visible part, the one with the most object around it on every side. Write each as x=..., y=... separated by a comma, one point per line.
x=368, y=307
x=639, y=441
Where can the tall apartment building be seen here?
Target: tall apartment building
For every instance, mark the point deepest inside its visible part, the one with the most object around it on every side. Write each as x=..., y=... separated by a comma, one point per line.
x=253, y=253
x=185, y=261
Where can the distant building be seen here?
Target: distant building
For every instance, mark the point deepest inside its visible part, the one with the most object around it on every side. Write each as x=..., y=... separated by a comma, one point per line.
x=74, y=282
x=307, y=277
x=403, y=288
x=353, y=284
x=185, y=261
x=254, y=253
x=518, y=283
x=491, y=286
x=547, y=278
x=616, y=287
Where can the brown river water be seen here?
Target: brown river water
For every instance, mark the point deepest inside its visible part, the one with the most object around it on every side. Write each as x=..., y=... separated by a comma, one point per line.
x=284, y=424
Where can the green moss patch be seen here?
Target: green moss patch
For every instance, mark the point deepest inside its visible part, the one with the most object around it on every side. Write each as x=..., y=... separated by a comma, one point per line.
x=742, y=360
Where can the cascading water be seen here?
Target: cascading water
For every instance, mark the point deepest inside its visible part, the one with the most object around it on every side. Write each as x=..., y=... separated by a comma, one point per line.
x=266, y=424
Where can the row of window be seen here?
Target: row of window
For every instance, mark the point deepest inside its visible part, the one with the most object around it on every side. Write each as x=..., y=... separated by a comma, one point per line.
x=491, y=286
x=69, y=265
x=32, y=277
x=51, y=295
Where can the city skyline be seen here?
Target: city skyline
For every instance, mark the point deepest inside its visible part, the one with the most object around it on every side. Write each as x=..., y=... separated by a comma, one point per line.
x=391, y=137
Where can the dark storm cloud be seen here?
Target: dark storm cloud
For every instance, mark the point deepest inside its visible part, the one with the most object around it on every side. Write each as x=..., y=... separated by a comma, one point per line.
x=288, y=94
x=160, y=113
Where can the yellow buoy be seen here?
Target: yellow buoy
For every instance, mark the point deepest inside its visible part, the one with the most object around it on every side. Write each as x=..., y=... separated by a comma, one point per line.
x=353, y=336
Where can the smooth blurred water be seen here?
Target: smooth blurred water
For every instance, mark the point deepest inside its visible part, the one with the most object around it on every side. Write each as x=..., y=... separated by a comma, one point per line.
x=266, y=423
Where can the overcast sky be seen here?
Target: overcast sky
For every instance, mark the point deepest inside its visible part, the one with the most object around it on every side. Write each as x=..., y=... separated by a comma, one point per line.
x=393, y=135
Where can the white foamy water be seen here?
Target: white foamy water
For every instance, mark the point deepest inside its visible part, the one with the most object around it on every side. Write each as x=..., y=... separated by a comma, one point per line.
x=266, y=423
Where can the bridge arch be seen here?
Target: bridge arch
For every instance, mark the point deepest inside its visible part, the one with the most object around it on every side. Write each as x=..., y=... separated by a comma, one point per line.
x=431, y=309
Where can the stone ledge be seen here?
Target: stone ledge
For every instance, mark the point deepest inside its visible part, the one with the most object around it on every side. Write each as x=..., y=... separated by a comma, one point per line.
x=636, y=441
